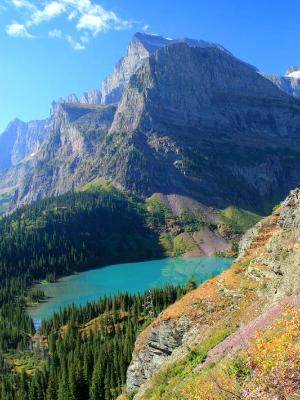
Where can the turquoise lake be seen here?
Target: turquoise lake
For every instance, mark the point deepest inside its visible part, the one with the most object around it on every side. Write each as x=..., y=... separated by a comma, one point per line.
x=132, y=277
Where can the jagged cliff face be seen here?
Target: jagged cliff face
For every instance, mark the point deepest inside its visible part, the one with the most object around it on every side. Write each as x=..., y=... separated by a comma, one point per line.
x=140, y=48
x=21, y=140
x=243, y=299
x=70, y=157
x=203, y=122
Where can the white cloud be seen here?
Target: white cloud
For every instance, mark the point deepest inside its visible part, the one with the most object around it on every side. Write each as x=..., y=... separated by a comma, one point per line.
x=23, y=4
x=72, y=15
x=146, y=27
x=18, y=30
x=97, y=19
x=85, y=38
x=55, y=33
x=50, y=11
x=92, y=23
x=84, y=16
x=75, y=45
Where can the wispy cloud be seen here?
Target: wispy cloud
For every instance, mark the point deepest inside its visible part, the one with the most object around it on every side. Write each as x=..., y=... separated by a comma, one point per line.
x=85, y=17
x=55, y=33
x=75, y=45
x=50, y=11
x=18, y=30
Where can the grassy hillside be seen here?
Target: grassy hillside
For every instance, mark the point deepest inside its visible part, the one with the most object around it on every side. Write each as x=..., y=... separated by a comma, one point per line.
x=239, y=220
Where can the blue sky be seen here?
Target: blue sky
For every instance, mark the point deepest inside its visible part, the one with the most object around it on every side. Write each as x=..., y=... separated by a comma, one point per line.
x=51, y=48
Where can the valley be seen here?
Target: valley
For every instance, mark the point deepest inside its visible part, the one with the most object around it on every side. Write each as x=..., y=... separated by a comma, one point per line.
x=149, y=234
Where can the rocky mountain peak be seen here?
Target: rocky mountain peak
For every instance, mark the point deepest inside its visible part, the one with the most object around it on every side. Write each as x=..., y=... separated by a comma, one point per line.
x=91, y=97
x=142, y=46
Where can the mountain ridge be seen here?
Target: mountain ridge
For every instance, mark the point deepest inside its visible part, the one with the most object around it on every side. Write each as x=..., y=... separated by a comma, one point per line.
x=189, y=121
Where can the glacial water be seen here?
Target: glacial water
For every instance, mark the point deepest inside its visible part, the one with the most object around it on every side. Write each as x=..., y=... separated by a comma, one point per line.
x=131, y=277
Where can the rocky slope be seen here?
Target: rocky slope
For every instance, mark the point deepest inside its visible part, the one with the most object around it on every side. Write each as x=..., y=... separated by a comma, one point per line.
x=247, y=297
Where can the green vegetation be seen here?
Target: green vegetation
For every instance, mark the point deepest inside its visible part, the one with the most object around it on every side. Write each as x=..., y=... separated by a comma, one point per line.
x=97, y=185
x=83, y=352
x=5, y=198
x=193, y=222
x=182, y=244
x=54, y=237
x=239, y=220
x=157, y=213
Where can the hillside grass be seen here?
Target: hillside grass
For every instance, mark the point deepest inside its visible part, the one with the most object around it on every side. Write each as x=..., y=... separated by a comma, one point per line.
x=268, y=368
x=238, y=219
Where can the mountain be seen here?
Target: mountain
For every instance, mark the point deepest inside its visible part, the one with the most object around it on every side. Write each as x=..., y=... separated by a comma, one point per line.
x=91, y=97
x=236, y=335
x=21, y=140
x=192, y=121
x=141, y=47
x=289, y=83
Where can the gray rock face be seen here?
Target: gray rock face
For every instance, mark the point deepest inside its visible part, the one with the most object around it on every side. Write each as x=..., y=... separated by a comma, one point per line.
x=289, y=217
x=91, y=97
x=70, y=156
x=141, y=47
x=21, y=140
x=160, y=344
x=211, y=126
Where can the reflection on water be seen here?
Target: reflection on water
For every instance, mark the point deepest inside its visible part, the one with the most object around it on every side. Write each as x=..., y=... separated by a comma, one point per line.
x=131, y=277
